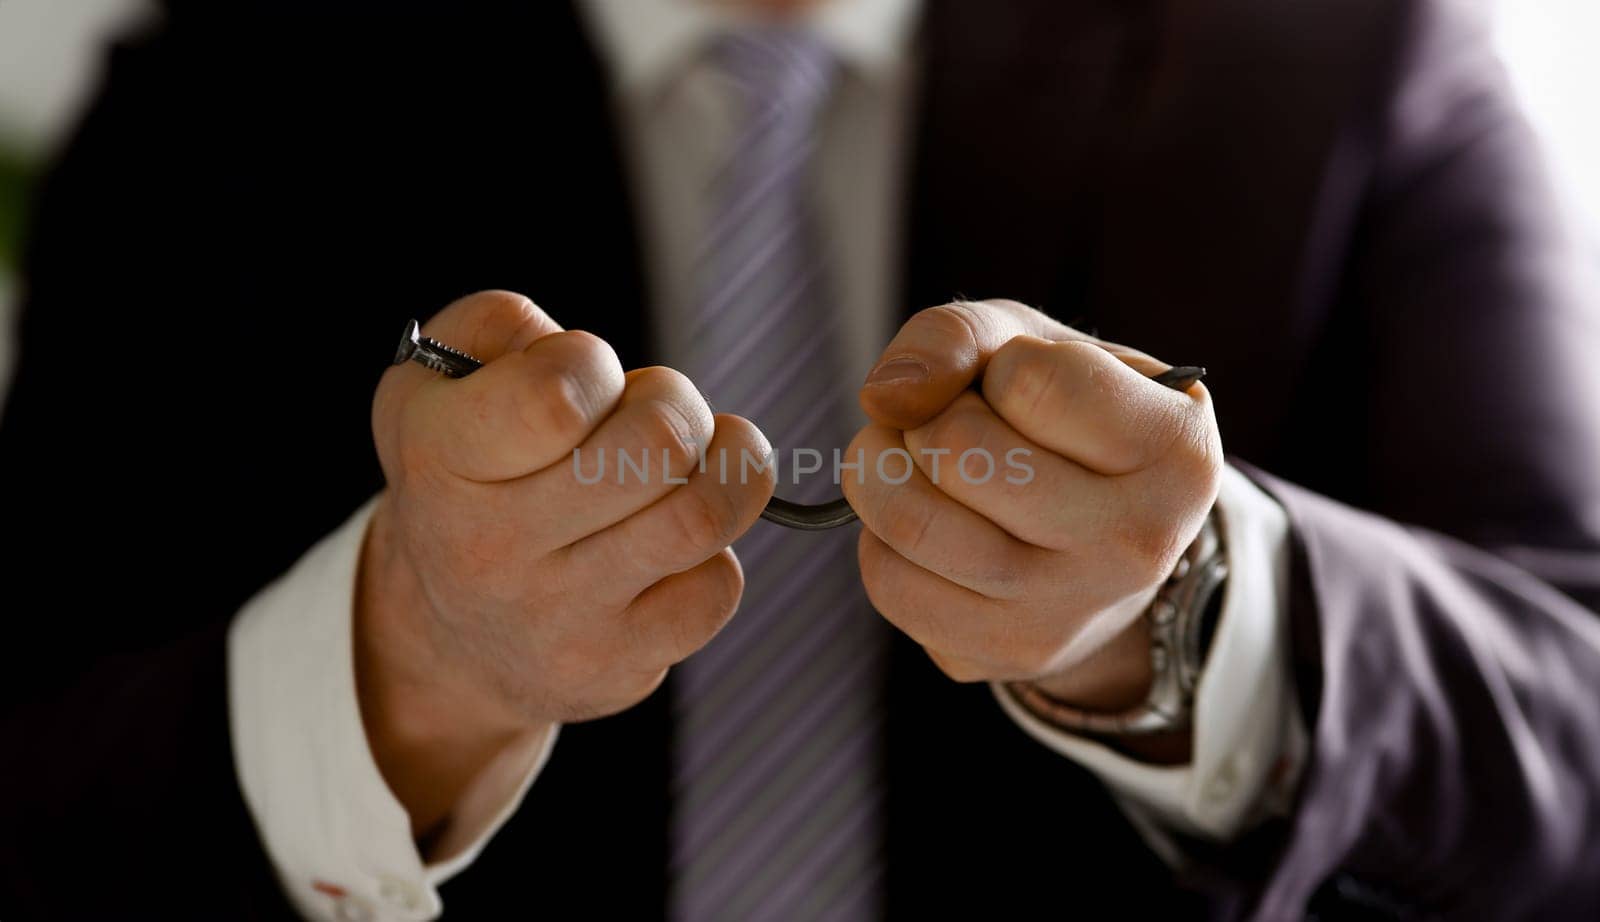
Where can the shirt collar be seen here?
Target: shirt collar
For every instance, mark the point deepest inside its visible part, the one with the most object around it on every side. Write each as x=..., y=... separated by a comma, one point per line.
x=645, y=42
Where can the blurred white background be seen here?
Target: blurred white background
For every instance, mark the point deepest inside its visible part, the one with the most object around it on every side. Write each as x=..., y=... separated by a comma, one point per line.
x=1549, y=47
x=50, y=55
x=50, y=52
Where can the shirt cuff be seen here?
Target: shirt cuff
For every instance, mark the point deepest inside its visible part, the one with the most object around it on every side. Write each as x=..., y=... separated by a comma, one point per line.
x=1249, y=740
x=339, y=840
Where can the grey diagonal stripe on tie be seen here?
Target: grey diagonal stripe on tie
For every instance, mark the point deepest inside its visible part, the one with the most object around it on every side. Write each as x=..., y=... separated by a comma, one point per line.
x=777, y=752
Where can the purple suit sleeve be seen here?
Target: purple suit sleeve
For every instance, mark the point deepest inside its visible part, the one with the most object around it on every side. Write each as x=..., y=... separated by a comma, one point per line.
x=1455, y=760
x=1448, y=647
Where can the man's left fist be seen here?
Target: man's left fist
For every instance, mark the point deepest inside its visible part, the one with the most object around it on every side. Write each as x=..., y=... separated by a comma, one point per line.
x=1018, y=529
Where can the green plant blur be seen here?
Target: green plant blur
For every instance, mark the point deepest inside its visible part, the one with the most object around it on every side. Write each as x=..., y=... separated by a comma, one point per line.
x=16, y=181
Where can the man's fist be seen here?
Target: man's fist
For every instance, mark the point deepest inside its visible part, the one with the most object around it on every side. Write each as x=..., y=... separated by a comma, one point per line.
x=1044, y=507
x=505, y=588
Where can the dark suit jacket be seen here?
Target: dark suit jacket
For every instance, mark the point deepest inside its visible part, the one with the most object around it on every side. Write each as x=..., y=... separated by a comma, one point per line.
x=1331, y=203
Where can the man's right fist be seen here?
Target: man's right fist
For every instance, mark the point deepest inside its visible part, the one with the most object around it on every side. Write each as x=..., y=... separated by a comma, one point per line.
x=501, y=590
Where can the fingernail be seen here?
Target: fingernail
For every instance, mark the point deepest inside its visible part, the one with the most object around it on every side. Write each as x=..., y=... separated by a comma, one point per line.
x=900, y=370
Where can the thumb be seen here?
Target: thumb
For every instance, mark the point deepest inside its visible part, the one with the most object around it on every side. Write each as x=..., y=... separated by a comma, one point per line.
x=943, y=350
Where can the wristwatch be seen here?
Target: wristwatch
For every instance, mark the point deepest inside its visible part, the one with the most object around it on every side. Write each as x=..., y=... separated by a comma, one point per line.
x=1182, y=619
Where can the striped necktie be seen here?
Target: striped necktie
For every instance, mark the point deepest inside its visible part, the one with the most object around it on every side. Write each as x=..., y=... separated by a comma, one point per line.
x=778, y=721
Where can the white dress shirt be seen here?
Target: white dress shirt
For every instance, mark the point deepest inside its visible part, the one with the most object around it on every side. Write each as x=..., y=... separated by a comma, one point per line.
x=340, y=841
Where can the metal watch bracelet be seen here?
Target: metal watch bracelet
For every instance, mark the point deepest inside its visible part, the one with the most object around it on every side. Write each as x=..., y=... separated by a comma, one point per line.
x=1178, y=635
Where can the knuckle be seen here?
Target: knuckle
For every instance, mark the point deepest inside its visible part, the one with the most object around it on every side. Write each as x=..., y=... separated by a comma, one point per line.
x=1163, y=435
x=716, y=588
x=724, y=586
x=1005, y=578
x=1182, y=433
x=958, y=320
x=634, y=637
x=1032, y=381
x=703, y=520
x=751, y=474
x=959, y=429
x=742, y=433
x=493, y=300
x=558, y=407
x=687, y=631
x=663, y=427
x=664, y=379
x=1149, y=550
x=582, y=356
x=491, y=318
x=570, y=386
x=1181, y=437
x=585, y=350
x=711, y=593
x=497, y=306
x=1202, y=454
x=905, y=524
